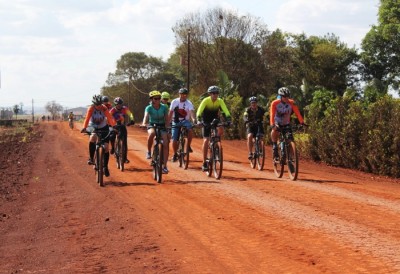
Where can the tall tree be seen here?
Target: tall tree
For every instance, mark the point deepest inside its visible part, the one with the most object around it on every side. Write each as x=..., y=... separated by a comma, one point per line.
x=54, y=108
x=381, y=46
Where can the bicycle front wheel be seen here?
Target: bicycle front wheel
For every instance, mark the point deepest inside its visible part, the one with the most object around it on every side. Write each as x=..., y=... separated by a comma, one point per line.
x=292, y=161
x=185, y=156
x=181, y=150
x=117, y=152
x=217, y=160
x=100, y=166
x=155, y=157
x=254, y=158
x=122, y=154
x=159, y=163
x=260, y=152
x=279, y=165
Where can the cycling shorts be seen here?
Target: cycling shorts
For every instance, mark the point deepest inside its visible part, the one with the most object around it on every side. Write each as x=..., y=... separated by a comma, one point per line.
x=176, y=128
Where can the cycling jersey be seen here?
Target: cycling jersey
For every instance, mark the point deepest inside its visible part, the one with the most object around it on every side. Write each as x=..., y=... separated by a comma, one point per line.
x=209, y=110
x=108, y=105
x=280, y=112
x=70, y=116
x=98, y=118
x=253, y=116
x=119, y=114
x=157, y=116
x=181, y=110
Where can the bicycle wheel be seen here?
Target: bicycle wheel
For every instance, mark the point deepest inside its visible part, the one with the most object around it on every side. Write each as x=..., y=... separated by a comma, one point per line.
x=117, y=151
x=159, y=163
x=279, y=165
x=71, y=125
x=122, y=154
x=155, y=157
x=292, y=161
x=218, y=160
x=181, y=150
x=185, y=153
x=100, y=166
x=254, y=158
x=260, y=152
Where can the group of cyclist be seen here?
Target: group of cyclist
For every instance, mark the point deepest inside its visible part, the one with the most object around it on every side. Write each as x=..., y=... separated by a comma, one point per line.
x=180, y=112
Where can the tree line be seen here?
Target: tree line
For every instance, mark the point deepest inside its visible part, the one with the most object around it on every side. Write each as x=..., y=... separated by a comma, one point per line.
x=328, y=79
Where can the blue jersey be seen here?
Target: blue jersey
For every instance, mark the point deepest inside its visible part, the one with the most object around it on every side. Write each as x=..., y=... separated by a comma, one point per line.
x=157, y=116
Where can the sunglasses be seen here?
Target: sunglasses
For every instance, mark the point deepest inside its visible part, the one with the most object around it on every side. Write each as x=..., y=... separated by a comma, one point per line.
x=157, y=98
x=213, y=93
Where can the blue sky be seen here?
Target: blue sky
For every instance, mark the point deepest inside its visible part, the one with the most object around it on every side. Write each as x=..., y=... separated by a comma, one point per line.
x=64, y=50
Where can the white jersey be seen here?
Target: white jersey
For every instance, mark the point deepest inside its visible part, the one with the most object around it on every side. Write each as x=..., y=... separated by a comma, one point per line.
x=181, y=109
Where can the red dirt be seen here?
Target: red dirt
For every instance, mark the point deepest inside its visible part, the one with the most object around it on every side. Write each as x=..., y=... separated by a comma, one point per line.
x=55, y=219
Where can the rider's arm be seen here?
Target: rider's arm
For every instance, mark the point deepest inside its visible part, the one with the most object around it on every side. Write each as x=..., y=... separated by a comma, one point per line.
x=145, y=118
x=200, y=110
x=273, y=112
x=110, y=119
x=296, y=111
x=130, y=114
x=224, y=109
x=88, y=116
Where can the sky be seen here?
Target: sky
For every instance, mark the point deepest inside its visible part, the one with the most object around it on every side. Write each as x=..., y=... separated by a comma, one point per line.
x=64, y=50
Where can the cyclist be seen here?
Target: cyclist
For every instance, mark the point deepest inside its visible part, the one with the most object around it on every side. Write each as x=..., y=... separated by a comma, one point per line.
x=280, y=112
x=181, y=111
x=253, y=118
x=165, y=97
x=156, y=113
x=106, y=102
x=118, y=112
x=71, y=116
x=99, y=117
x=209, y=110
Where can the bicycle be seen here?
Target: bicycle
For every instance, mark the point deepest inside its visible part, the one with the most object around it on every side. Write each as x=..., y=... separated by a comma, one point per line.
x=157, y=157
x=71, y=123
x=215, y=153
x=258, y=151
x=183, y=147
x=287, y=151
x=120, y=146
x=99, y=152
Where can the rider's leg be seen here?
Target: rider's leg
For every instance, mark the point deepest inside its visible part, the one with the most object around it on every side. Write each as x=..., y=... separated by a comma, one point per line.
x=92, y=148
x=150, y=139
x=274, y=138
x=250, y=143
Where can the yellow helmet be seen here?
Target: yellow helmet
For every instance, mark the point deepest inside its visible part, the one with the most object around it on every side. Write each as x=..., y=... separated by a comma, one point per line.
x=165, y=95
x=154, y=93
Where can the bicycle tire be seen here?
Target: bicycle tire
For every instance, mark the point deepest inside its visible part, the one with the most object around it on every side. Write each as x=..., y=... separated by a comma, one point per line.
x=159, y=163
x=122, y=154
x=100, y=167
x=217, y=160
x=154, y=160
x=254, y=158
x=279, y=165
x=186, y=153
x=260, y=152
x=116, y=154
x=292, y=161
x=181, y=150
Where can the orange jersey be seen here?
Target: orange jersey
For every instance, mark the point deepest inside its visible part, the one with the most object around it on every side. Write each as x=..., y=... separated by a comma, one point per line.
x=280, y=112
x=98, y=117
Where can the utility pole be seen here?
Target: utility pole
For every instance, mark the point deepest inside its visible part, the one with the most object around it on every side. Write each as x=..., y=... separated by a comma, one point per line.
x=188, y=63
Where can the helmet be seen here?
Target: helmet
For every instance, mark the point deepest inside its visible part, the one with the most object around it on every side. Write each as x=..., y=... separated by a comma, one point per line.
x=165, y=95
x=96, y=100
x=105, y=99
x=183, y=91
x=253, y=99
x=118, y=101
x=213, y=89
x=154, y=93
x=284, y=92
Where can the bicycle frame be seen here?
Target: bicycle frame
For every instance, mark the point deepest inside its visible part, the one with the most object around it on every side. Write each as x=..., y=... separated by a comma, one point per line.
x=120, y=147
x=258, y=149
x=287, y=153
x=99, y=152
x=215, y=152
x=183, y=147
x=158, y=154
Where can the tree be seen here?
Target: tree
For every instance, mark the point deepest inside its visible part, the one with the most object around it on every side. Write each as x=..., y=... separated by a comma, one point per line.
x=381, y=46
x=54, y=108
x=222, y=40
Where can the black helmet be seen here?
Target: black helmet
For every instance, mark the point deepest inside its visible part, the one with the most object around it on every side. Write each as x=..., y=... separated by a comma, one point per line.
x=284, y=92
x=183, y=91
x=105, y=99
x=97, y=100
x=118, y=101
x=213, y=89
x=253, y=99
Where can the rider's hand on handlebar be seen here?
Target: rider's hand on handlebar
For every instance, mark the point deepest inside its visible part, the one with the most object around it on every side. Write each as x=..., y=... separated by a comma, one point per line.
x=83, y=130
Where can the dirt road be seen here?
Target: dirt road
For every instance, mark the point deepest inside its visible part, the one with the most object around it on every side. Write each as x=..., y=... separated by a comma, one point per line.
x=331, y=220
